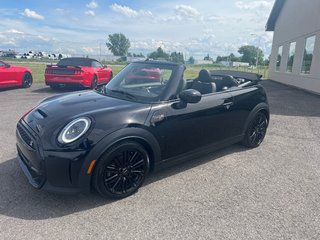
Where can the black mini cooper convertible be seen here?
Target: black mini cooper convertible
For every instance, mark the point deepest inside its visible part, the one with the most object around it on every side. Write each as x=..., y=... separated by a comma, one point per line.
x=148, y=115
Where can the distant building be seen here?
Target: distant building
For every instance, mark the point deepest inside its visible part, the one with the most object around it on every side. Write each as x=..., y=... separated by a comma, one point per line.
x=295, y=57
x=10, y=53
x=234, y=64
x=199, y=62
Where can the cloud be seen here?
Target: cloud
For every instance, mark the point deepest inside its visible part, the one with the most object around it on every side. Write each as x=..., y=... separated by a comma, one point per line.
x=129, y=12
x=60, y=11
x=93, y=4
x=89, y=13
x=186, y=11
x=254, y=5
x=21, y=40
x=124, y=10
x=32, y=14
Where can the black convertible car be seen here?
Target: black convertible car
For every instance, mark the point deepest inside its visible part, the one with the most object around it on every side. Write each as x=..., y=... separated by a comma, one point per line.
x=110, y=139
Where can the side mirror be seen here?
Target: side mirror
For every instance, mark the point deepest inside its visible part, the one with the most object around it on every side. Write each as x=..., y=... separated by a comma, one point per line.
x=7, y=65
x=190, y=96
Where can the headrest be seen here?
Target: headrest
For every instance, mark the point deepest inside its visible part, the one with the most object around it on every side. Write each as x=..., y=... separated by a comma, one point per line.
x=204, y=76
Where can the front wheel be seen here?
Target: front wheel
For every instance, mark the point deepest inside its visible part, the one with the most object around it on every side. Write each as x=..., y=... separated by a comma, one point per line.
x=256, y=131
x=27, y=80
x=121, y=170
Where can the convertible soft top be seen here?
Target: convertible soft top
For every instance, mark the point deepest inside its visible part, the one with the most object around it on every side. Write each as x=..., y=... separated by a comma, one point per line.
x=237, y=74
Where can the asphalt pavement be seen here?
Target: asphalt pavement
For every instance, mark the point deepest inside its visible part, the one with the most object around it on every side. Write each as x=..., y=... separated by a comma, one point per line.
x=271, y=192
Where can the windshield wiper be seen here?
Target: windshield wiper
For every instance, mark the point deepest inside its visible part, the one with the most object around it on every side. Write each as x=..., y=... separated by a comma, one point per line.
x=123, y=93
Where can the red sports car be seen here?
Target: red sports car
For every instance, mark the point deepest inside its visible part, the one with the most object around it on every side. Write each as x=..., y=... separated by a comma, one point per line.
x=85, y=72
x=13, y=76
x=144, y=76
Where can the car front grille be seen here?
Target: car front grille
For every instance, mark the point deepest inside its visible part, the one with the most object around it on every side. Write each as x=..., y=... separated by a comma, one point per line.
x=25, y=137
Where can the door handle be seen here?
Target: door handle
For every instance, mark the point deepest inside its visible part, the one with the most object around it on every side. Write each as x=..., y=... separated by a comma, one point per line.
x=227, y=105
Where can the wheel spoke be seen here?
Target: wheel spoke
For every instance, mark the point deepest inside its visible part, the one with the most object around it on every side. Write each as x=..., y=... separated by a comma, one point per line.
x=111, y=178
x=253, y=137
x=137, y=171
x=117, y=162
x=133, y=157
x=138, y=164
x=111, y=168
x=117, y=182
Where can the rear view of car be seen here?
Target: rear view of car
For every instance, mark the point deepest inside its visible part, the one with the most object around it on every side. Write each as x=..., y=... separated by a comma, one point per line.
x=77, y=72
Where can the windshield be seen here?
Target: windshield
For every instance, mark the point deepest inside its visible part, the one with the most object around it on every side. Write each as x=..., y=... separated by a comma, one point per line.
x=141, y=81
x=75, y=62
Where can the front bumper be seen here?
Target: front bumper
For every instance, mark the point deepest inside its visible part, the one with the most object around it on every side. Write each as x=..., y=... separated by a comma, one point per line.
x=53, y=171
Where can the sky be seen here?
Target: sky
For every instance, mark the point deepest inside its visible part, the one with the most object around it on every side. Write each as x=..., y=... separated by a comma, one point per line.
x=81, y=27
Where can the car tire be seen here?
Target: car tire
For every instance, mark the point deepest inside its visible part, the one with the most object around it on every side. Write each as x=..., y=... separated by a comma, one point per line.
x=27, y=80
x=121, y=170
x=94, y=82
x=111, y=76
x=256, y=131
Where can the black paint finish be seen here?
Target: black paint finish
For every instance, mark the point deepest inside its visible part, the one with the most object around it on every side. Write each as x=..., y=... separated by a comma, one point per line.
x=168, y=128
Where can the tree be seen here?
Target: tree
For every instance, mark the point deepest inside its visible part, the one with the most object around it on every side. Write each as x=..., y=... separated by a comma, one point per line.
x=230, y=58
x=191, y=60
x=118, y=44
x=249, y=54
x=159, y=54
x=177, y=57
x=208, y=58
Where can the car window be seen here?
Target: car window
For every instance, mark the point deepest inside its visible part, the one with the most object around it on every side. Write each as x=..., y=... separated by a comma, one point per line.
x=75, y=62
x=141, y=82
x=96, y=64
x=2, y=64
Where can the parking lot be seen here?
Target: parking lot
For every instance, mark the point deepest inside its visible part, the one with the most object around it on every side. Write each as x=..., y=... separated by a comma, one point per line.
x=271, y=192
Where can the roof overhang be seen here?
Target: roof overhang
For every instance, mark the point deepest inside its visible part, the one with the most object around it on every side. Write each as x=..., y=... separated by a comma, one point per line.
x=277, y=7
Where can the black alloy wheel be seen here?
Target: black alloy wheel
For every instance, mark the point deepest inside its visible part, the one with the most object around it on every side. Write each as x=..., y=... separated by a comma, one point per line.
x=26, y=80
x=256, y=131
x=94, y=82
x=121, y=170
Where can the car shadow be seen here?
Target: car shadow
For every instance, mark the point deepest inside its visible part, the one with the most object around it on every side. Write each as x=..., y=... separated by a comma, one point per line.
x=8, y=89
x=19, y=200
x=290, y=101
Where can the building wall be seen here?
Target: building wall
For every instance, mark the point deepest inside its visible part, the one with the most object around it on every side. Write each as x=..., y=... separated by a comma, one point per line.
x=297, y=21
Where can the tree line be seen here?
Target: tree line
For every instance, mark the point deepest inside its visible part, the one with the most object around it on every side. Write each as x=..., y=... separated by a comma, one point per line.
x=119, y=45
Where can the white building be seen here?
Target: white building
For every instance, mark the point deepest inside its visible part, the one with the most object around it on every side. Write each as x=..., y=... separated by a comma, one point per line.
x=295, y=57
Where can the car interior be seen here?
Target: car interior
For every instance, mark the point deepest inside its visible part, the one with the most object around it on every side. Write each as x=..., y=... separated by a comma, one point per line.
x=207, y=83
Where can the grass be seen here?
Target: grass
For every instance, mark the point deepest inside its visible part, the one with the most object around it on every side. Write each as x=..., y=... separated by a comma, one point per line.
x=191, y=72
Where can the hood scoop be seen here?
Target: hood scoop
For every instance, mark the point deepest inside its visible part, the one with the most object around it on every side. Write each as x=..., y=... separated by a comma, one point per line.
x=40, y=114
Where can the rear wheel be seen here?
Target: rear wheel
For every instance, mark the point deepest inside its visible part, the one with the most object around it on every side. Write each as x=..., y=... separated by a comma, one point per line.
x=111, y=75
x=94, y=82
x=121, y=170
x=256, y=131
x=27, y=80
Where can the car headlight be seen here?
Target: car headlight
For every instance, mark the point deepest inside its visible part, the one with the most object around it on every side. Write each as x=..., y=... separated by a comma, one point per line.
x=74, y=130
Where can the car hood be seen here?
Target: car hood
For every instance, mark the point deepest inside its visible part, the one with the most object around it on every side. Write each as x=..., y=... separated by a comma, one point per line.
x=82, y=103
x=107, y=113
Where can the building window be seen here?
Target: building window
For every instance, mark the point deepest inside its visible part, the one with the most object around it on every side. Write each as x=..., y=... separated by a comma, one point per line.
x=279, y=56
x=292, y=52
x=308, y=55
